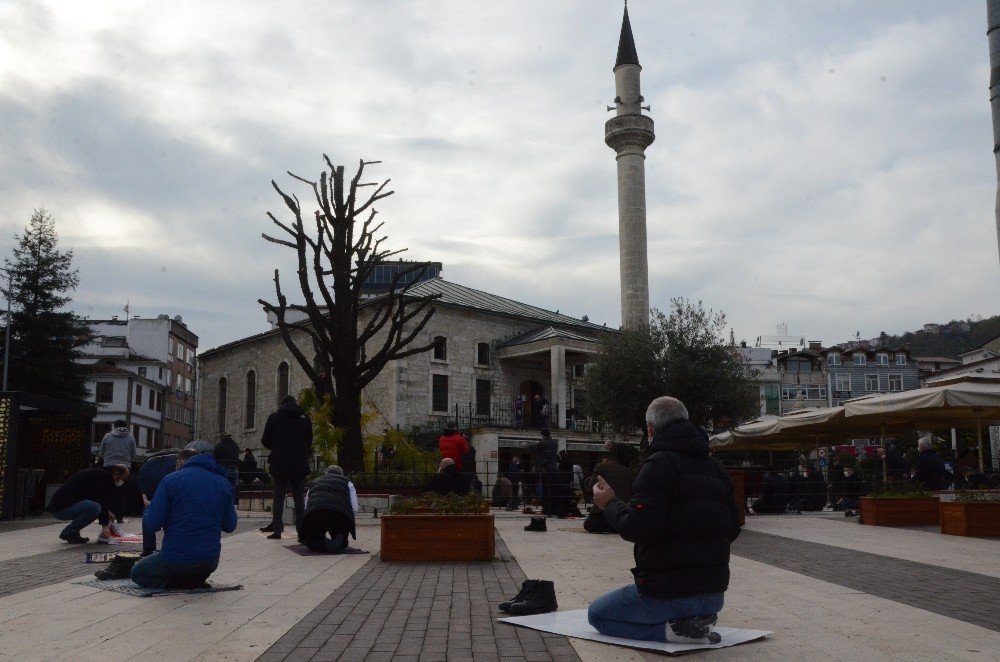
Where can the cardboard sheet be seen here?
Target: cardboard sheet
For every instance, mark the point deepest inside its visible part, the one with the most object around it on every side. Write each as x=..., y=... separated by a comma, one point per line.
x=574, y=624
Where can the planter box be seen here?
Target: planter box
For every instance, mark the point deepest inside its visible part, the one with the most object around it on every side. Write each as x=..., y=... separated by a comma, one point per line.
x=904, y=511
x=437, y=538
x=963, y=518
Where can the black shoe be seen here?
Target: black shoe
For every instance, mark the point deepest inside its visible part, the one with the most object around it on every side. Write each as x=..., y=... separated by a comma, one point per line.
x=274, y=536
x=75, y=539
x=527, y=588
x=267, y=529
x=695, y=630
x=849, y=513
x=119, y=568
x=537, y=524
x=541, y=601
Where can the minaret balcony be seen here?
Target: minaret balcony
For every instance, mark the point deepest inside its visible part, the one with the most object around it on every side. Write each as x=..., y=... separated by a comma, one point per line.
x=629, y=131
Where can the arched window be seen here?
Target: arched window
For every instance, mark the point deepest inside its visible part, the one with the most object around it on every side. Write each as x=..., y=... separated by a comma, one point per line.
x=251, y=411
x=223, y=396
x=282, y=381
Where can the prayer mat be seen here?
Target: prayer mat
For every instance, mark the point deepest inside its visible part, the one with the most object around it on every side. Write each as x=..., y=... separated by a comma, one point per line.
x=302, y=550
x=128, y=538
x=99, y=557
x=574, y=624
x=129, y=587
x=573, y=529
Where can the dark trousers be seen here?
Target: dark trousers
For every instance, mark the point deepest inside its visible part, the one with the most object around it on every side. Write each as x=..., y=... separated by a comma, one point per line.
x=595, y=522
x=324, y=545
x=548, y=486
x=281, y=486
x=515, y=489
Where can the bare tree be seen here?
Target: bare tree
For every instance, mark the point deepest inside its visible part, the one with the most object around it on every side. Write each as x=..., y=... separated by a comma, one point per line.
x=336, y=255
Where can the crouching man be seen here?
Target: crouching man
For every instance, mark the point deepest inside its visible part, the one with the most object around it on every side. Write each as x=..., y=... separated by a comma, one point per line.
x=193, y=505
x=682, y=519
x=330, y=510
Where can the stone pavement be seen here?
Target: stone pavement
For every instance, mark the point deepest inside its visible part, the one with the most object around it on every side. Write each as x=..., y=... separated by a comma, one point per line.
x=829, y=588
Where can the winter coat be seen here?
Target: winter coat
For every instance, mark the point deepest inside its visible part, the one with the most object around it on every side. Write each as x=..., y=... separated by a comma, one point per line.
x=681, y=517
x=330, y=493
x=449, y=481
x=618, y=476
x=193, y=506
x=288, y=434
x=545, y=454
x=850, y=487
x=930, y=471
x=88, y=485
x=117, y=447
x=155, y=469
x=514, y=472
x=227, y=453
x=454, y=446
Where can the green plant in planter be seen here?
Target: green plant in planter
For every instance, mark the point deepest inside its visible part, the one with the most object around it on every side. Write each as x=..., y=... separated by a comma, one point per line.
x=435, y=504
x=899, y=490
x=977, y=496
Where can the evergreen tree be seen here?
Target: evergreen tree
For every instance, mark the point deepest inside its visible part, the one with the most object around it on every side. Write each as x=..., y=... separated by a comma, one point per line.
x=44, y=336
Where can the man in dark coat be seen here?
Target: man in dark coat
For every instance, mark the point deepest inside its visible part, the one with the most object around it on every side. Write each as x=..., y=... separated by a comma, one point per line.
x=514, y=476
x=329, y=516
x=930, y=471
x=619, y=477
x=682, y=519
x=545, y=460
x=771, y=499
x=86, y=496
x=849, y=490
x=448, y=479
x=288, y=434
x=895, y=465
x=227, y=455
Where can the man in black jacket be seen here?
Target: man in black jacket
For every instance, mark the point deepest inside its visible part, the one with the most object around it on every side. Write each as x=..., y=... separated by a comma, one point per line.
x=449, y=480
x=930, y=472
x=545, y=460
x=329, y=516
x=288, y=434
x=682, y=519
x=86, y=496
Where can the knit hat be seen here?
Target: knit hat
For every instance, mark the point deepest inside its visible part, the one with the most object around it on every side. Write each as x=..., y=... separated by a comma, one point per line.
x=334, y=469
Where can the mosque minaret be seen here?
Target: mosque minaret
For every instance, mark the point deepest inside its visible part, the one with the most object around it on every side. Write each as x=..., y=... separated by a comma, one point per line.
x=629, y=133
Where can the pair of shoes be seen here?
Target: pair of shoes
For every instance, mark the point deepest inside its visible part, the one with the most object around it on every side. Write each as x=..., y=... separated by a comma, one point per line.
x=849, y=513
x=267, y=529
x=528, y=510
x=274, y=536
x=116, y=529
x=120, y=567
x=537, y=524
x=536, y=596
x=75, y=539
x=107, y=540
x=694, y=630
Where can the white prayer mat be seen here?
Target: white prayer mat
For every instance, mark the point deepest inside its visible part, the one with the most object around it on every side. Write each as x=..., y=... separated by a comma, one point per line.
x=129, y=587
x=574, y=624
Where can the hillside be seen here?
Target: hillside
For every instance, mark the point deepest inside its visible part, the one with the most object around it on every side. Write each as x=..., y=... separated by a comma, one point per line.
x=952, y=339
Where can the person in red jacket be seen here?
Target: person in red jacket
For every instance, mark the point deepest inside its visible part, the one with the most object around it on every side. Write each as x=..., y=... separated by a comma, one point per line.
x=452, y=444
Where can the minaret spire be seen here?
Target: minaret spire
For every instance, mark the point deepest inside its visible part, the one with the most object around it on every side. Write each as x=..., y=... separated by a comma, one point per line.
x=629, y=133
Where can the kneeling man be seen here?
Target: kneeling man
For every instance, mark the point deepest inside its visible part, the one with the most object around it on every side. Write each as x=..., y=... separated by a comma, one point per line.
x=193, y=505
x=682, y=519
x=330, y=510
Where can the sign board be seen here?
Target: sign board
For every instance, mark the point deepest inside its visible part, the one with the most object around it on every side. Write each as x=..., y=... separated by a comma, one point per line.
x=493, y=455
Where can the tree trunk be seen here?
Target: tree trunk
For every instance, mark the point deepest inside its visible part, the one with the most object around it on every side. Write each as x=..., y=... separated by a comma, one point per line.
x=347, y=415
x=993, y=34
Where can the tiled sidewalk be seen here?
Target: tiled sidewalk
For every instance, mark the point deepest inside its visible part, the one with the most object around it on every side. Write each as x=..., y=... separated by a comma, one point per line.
x=429, y=612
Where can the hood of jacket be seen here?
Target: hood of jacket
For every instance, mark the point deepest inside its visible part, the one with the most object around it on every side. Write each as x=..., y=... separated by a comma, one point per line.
x=291, y=410
x=206, y=462
x=680, y=437
x=120, y=432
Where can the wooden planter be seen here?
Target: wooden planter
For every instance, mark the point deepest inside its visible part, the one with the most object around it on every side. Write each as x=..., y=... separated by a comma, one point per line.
x=903, y=511
x=437, y=538
x=976, y=518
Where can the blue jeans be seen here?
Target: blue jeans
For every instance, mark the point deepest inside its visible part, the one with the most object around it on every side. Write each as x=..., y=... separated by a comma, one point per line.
x=81, y=513
x=154, y=572
x=626, y=613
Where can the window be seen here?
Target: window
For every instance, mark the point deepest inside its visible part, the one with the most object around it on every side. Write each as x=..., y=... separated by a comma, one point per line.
x=860, y=359
x=900, y=359
x=142, y=371
x=579, y=370
x=440, y=348
x=251, y=408
x=439, y=392
x=159, y=402
x=883, y=383
x=161, y=372
x=482, y=397
x=843, y=382
x=221, y=417
x=282, y=381
x=896, y=382
x=152, y=399
x=187, y=385
x=833, y=359
x=807, y=391
x=882, y=359
x=104, y=392
x=871, y=382
x=136, y=433
x=483, y=353
x=138, y=395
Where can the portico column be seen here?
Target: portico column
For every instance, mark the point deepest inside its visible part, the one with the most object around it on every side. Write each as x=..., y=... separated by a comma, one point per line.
x=558, y=366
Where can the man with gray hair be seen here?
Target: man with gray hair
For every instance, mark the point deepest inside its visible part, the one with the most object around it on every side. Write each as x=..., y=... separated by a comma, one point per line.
x=930, y=471
x=682, y=518
x=329, y=513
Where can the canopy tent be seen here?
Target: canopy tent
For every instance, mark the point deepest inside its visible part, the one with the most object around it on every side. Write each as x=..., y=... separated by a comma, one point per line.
x=795, y=431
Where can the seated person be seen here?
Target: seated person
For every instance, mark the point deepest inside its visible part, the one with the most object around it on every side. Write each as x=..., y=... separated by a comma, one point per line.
x=329, y=515
x=619, y=477
x=814, y=490
x=193, y=505
x=850, y=489
x=86, y=496
x=774, y=498
x=153, y=470
x=502, y=490
x=448, y=479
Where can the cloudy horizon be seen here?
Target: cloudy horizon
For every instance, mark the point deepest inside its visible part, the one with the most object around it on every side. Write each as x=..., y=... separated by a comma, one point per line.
x=827, y=165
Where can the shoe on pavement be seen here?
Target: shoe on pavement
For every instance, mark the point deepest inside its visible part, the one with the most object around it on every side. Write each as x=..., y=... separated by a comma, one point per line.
x=527, y=588
x=541, y=601
x=75, y=539
x=107, y=540
x=267, y=529
x=537, y=524
x=274, y=536
x=694, y=630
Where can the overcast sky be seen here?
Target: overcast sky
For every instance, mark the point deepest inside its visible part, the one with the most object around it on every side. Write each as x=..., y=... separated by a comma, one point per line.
x=823, y=164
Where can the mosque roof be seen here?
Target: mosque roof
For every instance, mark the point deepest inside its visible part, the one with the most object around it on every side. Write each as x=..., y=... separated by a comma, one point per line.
x=546, y=333
x=626, y=44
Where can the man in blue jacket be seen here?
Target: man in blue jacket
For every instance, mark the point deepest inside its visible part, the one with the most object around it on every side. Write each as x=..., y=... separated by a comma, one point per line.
x=193, y=505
